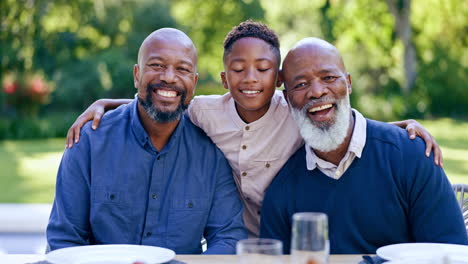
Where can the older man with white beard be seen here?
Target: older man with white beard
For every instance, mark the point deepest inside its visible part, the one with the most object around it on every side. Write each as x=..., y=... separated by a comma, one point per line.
x=365, y=175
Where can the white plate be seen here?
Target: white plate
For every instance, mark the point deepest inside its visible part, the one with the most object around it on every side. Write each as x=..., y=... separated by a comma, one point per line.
x=458, y=254
x=110, y=254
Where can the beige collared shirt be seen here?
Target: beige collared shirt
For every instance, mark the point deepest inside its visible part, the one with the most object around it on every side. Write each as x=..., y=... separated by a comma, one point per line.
x=356, y=145
x=255, y=151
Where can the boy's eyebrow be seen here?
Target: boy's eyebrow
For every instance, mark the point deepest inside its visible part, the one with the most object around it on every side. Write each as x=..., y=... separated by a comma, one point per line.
x=242, y=60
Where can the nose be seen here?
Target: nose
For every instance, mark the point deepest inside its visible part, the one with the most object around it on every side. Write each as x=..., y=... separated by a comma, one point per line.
x=251, y=76
x=316, y=90
x=168, y=75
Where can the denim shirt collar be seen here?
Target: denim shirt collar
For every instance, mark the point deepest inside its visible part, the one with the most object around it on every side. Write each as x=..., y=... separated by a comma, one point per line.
x=141, y=134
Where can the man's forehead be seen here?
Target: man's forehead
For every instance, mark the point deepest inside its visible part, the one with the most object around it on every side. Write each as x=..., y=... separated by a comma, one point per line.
x=166, y=42
x=315, y=57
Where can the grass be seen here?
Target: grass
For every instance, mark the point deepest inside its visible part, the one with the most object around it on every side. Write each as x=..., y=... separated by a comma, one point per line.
x=29, y=167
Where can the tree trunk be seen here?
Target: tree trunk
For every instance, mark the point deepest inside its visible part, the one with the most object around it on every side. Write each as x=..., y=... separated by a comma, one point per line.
x=401, y=10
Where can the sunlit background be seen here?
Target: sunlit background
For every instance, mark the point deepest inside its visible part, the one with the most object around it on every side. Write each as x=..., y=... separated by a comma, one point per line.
x=408, y=59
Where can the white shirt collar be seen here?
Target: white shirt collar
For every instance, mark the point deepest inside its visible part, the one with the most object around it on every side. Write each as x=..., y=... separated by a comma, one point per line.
x=356, y=145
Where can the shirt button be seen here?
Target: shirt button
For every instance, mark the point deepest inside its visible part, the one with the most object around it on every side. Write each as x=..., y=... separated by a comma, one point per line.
x=112, y=196
x=244, y=146
x=244, y=173
x=148, y=234
x=190, y=205
x=267, y=165
x=247, y=127
x=158, y=158
x=154, y=196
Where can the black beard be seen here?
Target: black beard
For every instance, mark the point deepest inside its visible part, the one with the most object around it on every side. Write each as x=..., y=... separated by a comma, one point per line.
x=158, y=115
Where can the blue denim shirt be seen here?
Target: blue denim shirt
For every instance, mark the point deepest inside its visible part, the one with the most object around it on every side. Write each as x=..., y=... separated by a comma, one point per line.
x=114, y=187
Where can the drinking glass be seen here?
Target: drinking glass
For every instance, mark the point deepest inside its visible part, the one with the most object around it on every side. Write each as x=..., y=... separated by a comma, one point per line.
x=309, y=242
x=259, y=250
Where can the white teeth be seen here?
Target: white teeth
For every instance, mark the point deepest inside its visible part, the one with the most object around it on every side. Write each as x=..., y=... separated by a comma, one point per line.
x=166, y=93
x=319, y=108
x=250, y=92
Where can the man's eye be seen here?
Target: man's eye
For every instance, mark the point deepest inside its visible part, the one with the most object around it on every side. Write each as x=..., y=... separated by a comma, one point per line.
x=157, y=65
x=300, y=85
x=183, y=69
x=329, y=78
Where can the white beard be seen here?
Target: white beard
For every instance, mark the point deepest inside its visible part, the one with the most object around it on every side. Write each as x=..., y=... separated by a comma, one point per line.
x=324, y=137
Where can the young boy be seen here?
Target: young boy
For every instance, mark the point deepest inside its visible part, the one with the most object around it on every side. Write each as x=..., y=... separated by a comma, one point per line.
x=251, y=123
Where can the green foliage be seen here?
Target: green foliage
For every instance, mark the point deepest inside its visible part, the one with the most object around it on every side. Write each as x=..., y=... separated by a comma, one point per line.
x=208, y=22
x=85, y=50
x=54, y=124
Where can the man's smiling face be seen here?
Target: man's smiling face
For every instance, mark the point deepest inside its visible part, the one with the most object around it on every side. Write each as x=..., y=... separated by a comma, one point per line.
x=318, y=88
x=165, y=75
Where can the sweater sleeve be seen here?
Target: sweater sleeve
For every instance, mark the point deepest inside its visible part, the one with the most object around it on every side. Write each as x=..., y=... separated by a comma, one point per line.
x=434, y=214
x=275, y=222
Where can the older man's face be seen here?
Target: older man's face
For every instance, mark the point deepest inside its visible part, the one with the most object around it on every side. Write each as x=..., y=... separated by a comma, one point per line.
x=318, y=90
x=166, y=78
x=314, y=78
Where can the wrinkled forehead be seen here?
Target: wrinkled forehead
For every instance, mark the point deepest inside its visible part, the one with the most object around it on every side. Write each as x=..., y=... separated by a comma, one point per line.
x=312, y=57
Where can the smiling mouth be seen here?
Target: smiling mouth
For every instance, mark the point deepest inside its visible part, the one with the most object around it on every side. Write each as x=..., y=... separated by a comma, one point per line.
x=319, y=109
x=166, y=93
x=250, y=92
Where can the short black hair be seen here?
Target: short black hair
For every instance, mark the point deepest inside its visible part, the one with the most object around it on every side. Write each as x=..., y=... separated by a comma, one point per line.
x=252, y=29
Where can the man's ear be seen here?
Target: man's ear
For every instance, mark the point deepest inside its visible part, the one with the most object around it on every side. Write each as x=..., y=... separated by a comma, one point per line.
x=279, y=80
x=285, y=94
x=224, y=80
x=136, y=75
x=348, y=77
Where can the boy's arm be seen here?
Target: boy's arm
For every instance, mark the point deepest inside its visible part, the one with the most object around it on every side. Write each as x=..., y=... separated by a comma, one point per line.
x=414, y=129
x=94, y=112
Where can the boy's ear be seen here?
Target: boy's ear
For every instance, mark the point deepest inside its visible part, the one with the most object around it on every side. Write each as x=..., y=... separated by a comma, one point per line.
x=136, y=75
x=223, y=80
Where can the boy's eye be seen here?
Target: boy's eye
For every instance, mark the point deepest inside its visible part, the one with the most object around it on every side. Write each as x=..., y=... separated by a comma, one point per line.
x=263, y=70
x=237, y=70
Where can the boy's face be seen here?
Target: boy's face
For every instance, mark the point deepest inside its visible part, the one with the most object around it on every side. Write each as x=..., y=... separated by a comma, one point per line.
x=251, y=71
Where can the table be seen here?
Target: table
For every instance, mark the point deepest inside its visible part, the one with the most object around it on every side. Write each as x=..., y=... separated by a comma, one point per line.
x=189, y=259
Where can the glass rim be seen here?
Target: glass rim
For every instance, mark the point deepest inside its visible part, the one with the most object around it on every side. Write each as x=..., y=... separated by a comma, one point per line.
x=262, y=243
x=309, y=216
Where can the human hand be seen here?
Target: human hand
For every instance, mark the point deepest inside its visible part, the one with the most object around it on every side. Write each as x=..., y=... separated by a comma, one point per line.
x=94, y=112
x=414, y=129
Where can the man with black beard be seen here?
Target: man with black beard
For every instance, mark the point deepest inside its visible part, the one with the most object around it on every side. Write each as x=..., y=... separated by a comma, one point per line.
x=365, y=175
x=149, y=176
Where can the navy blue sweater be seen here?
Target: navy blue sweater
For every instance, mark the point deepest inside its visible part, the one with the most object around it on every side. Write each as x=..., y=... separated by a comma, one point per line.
x=392, y=194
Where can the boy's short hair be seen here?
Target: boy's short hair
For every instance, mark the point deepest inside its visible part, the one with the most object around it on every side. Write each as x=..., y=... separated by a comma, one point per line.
x=252, y=29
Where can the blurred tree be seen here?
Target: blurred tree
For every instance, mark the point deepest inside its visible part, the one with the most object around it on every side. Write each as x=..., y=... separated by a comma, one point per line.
x=208, y=22
x=87, y=47
x=401, y=10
